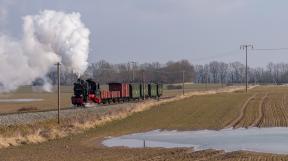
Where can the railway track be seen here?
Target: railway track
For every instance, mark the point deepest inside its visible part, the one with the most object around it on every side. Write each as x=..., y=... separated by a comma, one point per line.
x=34, y=116
x=92, y=105
x=31, y=117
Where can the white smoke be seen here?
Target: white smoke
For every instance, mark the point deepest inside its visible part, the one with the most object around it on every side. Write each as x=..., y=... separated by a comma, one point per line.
x=48, y=38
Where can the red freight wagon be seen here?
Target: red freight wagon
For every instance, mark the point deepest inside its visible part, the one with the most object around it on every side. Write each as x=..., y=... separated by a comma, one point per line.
x=115, y=94
x=123, y=88
x=105, y=94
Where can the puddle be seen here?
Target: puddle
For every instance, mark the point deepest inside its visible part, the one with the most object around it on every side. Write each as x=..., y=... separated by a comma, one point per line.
x=19, y=100
x=269, y=140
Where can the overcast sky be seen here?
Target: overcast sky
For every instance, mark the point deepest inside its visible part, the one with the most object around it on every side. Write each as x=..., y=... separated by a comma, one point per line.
x=162, y=30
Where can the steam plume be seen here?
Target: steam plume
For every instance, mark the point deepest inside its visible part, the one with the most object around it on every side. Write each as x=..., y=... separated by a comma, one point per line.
x=48, y=38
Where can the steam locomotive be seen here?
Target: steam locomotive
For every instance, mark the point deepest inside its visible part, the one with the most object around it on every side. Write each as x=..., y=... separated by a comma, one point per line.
x=88, y=91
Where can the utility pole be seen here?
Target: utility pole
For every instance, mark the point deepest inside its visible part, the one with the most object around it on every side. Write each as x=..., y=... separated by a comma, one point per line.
x=206, y=81
x=133, y=74
x=143, y=85
x=128, y=75
x=58, y=87
x=183, y=80
x=133, y=67
x=245, y=47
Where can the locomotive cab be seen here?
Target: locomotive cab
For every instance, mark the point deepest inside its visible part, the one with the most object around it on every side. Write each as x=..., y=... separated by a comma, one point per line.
x=80, y=93
x=93, y=91
x=93, y=87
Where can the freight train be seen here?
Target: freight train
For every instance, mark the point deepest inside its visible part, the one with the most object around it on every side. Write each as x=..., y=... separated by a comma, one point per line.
x=89, y=91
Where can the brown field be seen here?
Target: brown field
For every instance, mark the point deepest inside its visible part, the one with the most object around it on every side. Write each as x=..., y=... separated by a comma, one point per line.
x=49, y=99
x=264, y=106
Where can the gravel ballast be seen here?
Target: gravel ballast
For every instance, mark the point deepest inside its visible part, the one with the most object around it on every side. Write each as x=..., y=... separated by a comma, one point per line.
x=32, y=117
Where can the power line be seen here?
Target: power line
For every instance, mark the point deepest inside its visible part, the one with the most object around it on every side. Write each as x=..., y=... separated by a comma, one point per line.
x=221, y=55
x=269, y=53
x=270, y=49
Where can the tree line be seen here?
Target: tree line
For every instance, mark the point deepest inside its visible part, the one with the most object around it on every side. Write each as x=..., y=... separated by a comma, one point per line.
x=172, y=72
x=230, y=73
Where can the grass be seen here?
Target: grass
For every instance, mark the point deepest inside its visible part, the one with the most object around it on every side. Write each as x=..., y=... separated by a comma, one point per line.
x=199, y=86
x=190, y=87
x=188, y=114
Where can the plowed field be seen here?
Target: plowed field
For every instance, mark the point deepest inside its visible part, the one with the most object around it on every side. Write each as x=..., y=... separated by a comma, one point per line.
x=267, y=107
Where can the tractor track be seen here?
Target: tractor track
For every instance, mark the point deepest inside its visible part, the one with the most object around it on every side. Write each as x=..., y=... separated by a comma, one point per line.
x=283, y=110
x=242, y=112
x=260, y=117
x=274, y=112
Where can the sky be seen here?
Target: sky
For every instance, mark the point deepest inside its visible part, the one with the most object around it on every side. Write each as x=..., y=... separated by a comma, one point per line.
x=169, y=30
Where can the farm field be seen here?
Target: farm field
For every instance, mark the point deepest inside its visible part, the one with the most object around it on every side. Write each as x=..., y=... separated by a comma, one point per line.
x=49, y=101
x=263, y=106
x=188, y=87
x=26, y=92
